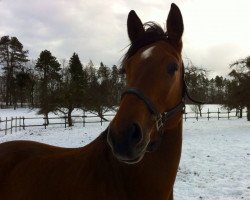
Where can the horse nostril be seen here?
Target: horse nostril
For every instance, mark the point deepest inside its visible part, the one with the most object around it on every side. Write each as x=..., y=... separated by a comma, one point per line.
x=135, y=134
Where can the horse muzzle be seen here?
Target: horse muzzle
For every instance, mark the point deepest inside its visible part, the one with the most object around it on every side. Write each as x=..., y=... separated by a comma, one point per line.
x=129, y=145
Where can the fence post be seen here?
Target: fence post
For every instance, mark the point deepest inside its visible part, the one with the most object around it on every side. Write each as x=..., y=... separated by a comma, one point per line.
x=218, y=113
x=6, y=125
x=228, y=117
x=20, y=122
x=101, y=119
x=23, y=124
x=185, y=114
x=45, y=122
x=16, y=124
x=83, y=120
x=65, y=121
x=208, y=114
x=11, y=125
x=197, y=115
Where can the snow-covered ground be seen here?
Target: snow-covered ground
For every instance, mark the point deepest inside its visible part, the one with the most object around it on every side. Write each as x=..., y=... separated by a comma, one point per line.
x=215, y=163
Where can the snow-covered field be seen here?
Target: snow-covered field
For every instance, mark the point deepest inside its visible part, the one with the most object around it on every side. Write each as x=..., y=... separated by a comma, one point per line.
x=215, y=163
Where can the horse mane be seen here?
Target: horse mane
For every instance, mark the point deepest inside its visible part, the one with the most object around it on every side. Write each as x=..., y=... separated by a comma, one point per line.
x=153, y=32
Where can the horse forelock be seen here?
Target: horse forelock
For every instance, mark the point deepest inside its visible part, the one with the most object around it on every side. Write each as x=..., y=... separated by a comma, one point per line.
x=153, y=33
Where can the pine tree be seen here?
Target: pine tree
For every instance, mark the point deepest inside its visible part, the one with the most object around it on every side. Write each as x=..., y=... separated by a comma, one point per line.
x=115, y=86
x=105, y=91
x=99, y=98
x=13, y=59
x=78, y=80
x=238, y=88
x=73, y=88
x=49, y=68
x=32, y=85
x=24, y=85
x=219, y=84
x=2, y=90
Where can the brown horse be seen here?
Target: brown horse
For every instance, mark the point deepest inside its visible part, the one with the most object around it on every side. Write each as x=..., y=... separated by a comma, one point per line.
x=115, y=165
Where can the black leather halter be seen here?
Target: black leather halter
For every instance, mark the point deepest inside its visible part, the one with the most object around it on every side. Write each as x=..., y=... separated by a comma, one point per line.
x=160, y=118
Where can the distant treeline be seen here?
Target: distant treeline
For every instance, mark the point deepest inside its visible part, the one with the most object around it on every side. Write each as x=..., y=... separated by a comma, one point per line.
x=61, y=86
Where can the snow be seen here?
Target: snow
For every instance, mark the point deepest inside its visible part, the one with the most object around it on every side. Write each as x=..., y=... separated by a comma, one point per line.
x=215, y=163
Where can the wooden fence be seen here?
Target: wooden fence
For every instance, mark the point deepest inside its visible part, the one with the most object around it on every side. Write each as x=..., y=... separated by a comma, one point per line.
x=21, y=123
x=219, y=114
x=24, y=105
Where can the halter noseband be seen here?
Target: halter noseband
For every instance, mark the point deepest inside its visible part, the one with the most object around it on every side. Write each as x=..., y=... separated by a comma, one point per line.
x=160, y=118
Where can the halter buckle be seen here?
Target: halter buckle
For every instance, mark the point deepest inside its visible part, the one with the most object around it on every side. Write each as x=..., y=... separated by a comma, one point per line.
x=158, y=122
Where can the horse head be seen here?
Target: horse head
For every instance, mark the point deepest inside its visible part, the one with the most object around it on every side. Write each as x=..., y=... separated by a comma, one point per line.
x=154, y=74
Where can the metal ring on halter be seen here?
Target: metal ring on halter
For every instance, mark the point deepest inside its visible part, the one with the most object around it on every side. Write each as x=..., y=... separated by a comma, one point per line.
x=159, y=123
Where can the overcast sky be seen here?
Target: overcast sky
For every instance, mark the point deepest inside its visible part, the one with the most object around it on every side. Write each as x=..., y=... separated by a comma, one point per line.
x=217, y=32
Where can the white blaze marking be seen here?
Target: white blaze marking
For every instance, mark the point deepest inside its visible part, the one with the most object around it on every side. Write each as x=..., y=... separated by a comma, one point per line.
x=147, y=53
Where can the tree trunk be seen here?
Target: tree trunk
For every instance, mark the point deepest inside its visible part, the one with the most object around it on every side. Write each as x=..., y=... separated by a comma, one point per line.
x=199, y=107
x=70, y=117
x=47, y=118
x=248, y=113
x=22, y=96
x=7, y=92
x=240, y=113
x=100, y=114
x=32, y=96
x=7, y=95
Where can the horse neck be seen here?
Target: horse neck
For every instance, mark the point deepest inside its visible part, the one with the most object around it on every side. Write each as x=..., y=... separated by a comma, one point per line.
x=157, y=170
x=172, y=136
x=169, y=150
x=153, y=176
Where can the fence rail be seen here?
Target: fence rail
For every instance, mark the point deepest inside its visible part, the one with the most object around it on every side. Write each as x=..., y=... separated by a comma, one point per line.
x=219, y=114
x=15, y=106
x=21, y=123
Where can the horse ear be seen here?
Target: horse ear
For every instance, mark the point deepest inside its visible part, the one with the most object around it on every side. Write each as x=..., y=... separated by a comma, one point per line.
x=135, y=26
x=175, y=26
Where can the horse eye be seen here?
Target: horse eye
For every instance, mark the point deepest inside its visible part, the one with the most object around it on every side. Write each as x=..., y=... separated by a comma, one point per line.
x=172, y=68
